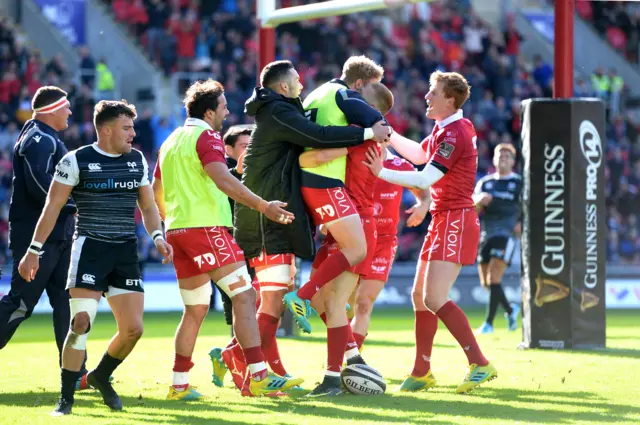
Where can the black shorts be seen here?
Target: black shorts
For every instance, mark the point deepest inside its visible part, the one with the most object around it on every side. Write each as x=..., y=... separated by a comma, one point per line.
x=108, y=267
x=500, y=247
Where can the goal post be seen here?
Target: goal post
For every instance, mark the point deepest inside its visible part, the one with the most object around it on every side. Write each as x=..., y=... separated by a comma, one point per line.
x=269, y=17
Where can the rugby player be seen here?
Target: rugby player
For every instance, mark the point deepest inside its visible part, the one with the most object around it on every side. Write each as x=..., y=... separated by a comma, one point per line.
x=192, y=184
x=497, y=197
x=106, y=179
x=451, y=156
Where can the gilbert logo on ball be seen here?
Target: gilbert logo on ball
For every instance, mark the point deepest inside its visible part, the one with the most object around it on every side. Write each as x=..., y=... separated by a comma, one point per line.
x=363, y=380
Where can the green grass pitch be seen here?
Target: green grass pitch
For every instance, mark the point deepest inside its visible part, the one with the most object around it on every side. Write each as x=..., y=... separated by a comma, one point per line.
x=533, y=387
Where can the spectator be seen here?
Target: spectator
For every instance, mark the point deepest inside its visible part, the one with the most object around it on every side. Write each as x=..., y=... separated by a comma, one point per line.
x=616, y=84
x=106, y=83
x=542, y=72
x=87, y=67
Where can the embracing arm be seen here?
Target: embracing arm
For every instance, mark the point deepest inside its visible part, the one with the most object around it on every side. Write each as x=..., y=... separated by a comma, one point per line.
x=294, y=128
x=317, y=157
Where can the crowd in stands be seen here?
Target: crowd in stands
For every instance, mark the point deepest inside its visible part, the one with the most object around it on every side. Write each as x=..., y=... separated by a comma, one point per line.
x=217, y=37
x=618, y=22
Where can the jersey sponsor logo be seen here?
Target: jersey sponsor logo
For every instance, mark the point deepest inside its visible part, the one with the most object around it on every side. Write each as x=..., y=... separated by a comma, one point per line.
x=214, y=134
x=66, y=162
x=451, y=133
x=208, y=258
x=217, y=147
x=397, y=162
x=62, y=174
x=453, y=238
x=325, y=210
x=222, y=245
x=343, y=201
x=377, y=209
x=133, y=282
x=511, y=186
x=389, y=195
x=111, y=184
x=94, y=167
x=89, y=278
x=445, y=150
x=132, y=167
x=37, y=138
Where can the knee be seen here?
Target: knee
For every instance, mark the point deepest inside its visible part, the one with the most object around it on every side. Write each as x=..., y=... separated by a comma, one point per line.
x=244, y=298
x=81, y=322
x=134, y=332
x=433, y=303
x=364, y=305
x=417, y=297
x=360, y=253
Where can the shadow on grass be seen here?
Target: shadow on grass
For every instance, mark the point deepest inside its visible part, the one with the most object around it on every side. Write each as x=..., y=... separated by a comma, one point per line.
x=369, y=342
x=417, y=408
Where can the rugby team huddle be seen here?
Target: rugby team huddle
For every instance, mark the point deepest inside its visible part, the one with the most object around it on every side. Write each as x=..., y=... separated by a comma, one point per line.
x=318, y=165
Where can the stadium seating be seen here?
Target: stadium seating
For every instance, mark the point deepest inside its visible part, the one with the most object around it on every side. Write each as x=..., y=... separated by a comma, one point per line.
x=189, y=39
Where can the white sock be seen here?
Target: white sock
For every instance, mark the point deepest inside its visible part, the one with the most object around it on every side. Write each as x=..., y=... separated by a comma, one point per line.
x=180, y=381
x=351, y=353
x=332, y=373
x=257, y=367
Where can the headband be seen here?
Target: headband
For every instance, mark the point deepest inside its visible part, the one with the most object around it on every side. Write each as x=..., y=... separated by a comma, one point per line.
x=52, y=107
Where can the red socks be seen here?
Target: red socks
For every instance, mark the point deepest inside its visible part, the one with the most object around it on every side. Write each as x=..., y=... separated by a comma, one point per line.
x=330, y=268
x=426, y=325
x=456, y=321
x=337, y=339
x=359, y=339
x=268, y=326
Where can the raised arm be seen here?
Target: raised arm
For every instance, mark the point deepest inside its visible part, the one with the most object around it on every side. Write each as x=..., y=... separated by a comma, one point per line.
x=317, y=157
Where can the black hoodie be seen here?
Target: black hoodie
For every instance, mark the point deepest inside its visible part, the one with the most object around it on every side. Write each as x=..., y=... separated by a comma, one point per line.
x=271, y=170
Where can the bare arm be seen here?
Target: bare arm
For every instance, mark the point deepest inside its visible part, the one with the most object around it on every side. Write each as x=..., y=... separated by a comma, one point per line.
x=219, y=173
x=158, y=195
x=148, y=208
x=317, y=157
x=409, y=149
x=152, y=222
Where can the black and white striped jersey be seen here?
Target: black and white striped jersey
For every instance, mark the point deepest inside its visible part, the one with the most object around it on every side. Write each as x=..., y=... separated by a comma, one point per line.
x=105, y=189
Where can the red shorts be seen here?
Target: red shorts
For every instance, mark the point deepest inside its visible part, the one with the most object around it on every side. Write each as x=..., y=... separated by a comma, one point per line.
x=453, y=236
x=278, y=275
x=385, y=253
x=199, y=250
x=330, y=246
x=327, y=205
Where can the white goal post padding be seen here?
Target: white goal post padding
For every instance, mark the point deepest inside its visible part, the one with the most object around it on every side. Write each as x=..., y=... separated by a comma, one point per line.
x=270, y=17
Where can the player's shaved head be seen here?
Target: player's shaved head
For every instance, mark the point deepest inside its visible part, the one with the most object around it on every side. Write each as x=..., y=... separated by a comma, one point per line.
x=275, y=72
x=379, y=96
x=107, y=111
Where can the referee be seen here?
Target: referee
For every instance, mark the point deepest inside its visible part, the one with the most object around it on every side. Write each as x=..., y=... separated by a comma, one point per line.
x=498, y=197
x=35, y=156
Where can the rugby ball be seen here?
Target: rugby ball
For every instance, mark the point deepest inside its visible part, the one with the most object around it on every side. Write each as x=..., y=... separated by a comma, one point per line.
x=362, y=380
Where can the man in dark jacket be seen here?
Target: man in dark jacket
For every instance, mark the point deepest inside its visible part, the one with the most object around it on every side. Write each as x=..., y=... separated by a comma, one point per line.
x=271, y=169
x=35, y=157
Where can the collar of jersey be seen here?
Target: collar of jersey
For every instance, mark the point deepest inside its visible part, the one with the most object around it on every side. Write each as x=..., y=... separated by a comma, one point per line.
x=197, y=122
x=451, y=118
x=100, y=151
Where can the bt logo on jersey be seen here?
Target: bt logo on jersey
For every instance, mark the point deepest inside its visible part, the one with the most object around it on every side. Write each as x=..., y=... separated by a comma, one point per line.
x=112, y=184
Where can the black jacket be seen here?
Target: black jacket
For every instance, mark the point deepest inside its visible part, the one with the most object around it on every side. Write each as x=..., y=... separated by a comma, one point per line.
x=271, y=170
x=35, y=157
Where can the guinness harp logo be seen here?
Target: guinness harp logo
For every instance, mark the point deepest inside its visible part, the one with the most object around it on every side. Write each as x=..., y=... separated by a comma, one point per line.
x=588, y=300
x=549, y=290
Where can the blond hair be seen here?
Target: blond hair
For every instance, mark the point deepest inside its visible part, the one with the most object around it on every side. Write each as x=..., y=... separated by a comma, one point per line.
x=453, y=85
x=361, y=68
x=380, y=97
x=506, y=147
